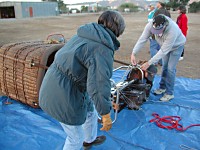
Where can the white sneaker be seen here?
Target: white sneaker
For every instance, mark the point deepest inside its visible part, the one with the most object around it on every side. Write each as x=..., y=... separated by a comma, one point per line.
x=159, y=91
x=181, y=58
x=166, y=98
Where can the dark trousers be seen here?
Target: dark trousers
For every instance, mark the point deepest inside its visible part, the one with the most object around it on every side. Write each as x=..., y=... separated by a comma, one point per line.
x=182, y=53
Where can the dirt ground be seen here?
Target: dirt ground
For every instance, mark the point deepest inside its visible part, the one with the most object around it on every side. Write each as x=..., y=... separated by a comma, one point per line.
x=17, y=30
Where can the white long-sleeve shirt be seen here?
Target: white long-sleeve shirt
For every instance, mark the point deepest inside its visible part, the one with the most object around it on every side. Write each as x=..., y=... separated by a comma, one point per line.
x=170, y=40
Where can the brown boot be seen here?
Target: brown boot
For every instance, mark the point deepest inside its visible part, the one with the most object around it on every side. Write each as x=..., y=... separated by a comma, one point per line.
x=99, y=140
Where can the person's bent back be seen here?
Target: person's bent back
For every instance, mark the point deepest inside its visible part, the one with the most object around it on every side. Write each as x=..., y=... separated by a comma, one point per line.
x=78, y=81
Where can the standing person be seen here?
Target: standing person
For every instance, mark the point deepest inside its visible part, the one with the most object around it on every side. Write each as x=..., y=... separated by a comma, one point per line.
x=171, y=40
x=82, y=68
x=182, y=22
x=154, y=46
x=161, y=9
x=151, y=13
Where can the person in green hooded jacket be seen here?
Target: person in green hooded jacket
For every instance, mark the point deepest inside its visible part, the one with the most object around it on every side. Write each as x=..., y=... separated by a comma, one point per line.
x=77, y=84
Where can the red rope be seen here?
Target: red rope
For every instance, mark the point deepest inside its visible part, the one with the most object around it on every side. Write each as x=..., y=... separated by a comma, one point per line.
x=172, y=121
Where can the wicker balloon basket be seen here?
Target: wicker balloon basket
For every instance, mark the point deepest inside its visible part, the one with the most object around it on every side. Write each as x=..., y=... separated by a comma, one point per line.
x=22, y=68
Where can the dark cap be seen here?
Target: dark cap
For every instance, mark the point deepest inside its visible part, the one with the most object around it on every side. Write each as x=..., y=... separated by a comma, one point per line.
x=159, y=23
x=152, y=70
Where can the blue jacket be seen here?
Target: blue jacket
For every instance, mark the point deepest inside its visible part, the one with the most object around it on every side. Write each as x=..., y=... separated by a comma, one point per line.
x=82, y=68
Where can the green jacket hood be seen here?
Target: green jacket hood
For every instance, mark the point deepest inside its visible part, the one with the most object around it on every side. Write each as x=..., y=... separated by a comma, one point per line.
x=99, y=33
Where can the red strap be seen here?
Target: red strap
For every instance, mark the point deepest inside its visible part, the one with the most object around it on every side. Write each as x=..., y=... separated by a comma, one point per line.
x=169, y=122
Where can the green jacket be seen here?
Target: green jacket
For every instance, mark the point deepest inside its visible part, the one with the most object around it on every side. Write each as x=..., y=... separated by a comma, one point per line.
x=82, y=68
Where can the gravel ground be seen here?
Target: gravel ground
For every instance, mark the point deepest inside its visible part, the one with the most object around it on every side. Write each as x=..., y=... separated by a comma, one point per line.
x=17, y=30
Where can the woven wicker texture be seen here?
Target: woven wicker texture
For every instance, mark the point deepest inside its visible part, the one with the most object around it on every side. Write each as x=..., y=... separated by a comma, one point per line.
x=22, y=68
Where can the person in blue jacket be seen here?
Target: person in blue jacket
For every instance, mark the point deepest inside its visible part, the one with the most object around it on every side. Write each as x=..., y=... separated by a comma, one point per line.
x=154, y=46
x=77, y=84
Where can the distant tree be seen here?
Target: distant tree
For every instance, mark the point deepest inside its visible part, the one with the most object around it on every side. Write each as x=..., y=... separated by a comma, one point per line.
x=174, y=4
x=84, y=8
x=130, y=6
x=184, y=2
x=61, y=6
x=194, y=7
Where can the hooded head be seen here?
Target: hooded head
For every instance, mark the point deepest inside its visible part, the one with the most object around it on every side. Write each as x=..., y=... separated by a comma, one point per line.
x=159, y=24
x=112, y=20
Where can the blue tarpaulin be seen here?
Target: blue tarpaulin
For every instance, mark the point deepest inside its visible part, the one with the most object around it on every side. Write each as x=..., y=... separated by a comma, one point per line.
x=23, y=127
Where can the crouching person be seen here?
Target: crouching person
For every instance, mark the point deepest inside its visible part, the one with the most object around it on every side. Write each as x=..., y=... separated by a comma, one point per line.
x=82, y=68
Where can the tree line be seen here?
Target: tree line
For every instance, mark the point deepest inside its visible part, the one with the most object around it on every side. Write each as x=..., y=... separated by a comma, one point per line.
x=174, y=4
x=130, y=7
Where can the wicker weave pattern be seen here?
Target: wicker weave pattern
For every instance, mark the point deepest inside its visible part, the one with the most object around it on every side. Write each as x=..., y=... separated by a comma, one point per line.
x=22, y=68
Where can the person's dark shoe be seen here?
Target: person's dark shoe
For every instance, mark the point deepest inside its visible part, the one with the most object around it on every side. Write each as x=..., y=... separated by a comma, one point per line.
x=99, y=140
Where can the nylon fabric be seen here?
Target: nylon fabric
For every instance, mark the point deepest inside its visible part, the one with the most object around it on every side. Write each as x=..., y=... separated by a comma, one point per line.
x=23, y=127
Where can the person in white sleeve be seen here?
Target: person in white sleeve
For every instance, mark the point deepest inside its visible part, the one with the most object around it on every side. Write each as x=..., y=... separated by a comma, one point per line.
x=171, y=40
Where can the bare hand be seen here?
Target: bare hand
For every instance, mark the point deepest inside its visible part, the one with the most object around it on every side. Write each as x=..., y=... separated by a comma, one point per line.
x=133, y=60
x=145, y=66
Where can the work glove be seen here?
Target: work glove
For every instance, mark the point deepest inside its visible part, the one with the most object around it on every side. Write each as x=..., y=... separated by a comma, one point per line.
x=107, y=122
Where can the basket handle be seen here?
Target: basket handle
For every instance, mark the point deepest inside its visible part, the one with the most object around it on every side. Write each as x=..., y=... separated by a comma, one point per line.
x=63, y=38
x=139, y=68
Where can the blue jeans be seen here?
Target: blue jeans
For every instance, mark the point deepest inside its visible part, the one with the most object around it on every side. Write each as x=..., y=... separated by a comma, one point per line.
x=168, y=74
x=154, y=48
x=76, y=135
